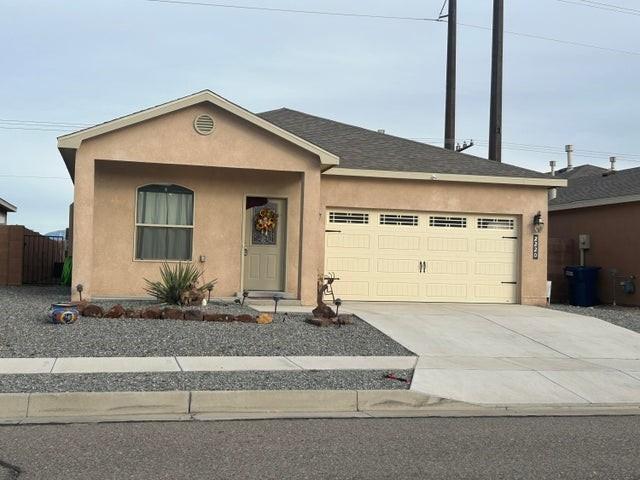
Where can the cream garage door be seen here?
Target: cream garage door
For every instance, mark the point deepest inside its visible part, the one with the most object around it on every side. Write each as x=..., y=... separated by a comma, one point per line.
x=434, y=257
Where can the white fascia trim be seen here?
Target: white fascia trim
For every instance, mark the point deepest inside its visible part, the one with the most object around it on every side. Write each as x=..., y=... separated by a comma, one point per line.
x=447, y=177
x=7, y=206
x=598, y=202
x=73, y=140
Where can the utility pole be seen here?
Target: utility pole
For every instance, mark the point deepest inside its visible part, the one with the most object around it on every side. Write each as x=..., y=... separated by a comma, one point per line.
x=450, y=102
x=495, y=116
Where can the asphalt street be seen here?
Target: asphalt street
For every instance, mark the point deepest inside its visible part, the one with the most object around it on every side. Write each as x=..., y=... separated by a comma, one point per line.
x=420, y=448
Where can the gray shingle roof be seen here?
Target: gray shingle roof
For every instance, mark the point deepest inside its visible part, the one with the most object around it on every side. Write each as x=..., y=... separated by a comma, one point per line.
x=580, y=171
x=360, y=148
x=598, y=187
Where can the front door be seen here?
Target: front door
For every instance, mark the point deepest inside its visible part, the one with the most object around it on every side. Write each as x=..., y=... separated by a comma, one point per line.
x=264, y=243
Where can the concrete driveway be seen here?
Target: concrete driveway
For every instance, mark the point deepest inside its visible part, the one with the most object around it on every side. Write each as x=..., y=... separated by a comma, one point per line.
x=512, y=354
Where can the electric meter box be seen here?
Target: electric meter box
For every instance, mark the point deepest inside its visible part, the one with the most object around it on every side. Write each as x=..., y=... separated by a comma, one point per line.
x=584, y=241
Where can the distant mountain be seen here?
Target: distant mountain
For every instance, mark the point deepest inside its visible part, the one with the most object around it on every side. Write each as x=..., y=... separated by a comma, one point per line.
x=56, y=233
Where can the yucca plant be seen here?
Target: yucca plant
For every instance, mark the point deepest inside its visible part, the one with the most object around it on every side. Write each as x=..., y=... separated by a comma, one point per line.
x=178, y=283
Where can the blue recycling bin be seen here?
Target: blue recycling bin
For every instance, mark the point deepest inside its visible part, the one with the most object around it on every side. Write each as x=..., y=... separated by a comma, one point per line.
x=583, y=285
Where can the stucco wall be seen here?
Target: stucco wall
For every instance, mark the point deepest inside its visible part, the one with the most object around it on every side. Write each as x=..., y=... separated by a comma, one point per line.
x=614, y=231
x=168, y=149
x=351, y=192
x=218, y=209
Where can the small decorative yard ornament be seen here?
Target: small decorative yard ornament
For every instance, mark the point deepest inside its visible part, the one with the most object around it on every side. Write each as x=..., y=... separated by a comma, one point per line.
x=63, y=313
x=276, y=298
x=245, y=294
x=79, y=288
x=337, y=302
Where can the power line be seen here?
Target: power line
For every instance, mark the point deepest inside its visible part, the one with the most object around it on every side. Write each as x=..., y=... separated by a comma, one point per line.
x=603, y=6
x=35, y=128
x=39, y=122
x=34, y=176
x=392, y=17
x=557, y=40
x=290, y=10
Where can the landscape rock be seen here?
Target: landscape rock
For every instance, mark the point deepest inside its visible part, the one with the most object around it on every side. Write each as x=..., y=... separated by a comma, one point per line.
x=92, y=310
x=133, y=313
x=193, y=315
x=244, y=318
x=117, y=311
x=320, y=321
x=81, y=306
x=264, y=318
x=173, y=313
x=218, y=317
x=323, y=311
x=152, y=313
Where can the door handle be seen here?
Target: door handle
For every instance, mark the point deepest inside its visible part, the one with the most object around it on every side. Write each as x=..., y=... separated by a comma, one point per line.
x=246, y=251
x=420, y=266
x=424, y=266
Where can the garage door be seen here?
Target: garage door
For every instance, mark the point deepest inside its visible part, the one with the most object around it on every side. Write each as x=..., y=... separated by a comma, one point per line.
x=408, y=256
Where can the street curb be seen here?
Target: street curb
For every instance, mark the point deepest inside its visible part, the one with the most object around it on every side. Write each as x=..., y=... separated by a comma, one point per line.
x=84, y=407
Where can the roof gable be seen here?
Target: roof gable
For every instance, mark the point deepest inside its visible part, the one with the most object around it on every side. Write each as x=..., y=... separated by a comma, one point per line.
x=67, y=144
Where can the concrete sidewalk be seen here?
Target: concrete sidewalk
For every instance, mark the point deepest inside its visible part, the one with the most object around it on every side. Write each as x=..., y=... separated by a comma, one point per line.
x=15, y=366
x=512, y=354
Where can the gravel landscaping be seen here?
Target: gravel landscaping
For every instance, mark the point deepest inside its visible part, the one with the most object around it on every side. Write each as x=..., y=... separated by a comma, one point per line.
x=627, y=317
x=272, y=380
x=25, y=332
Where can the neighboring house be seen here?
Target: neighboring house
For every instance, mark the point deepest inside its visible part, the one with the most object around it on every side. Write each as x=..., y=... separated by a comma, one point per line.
x=607, y=208
x=268, y=202
x=579, y=171
x=6, y=207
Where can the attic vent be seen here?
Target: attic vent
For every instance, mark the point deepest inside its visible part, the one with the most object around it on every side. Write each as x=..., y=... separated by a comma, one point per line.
x=203, y=124
x=448, y=222
x=496, y=223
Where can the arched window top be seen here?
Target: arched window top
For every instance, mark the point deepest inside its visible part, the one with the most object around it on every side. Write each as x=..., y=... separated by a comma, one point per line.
x=165, y=188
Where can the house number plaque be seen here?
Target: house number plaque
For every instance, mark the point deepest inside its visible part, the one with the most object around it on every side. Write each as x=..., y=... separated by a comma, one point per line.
x=536, y=246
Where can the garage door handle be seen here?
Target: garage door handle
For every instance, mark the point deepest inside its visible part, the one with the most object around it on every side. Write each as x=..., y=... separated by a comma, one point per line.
x=420, y=267
x=424, y=266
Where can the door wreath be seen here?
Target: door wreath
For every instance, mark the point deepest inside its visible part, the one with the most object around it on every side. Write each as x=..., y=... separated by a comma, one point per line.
x=266, y=221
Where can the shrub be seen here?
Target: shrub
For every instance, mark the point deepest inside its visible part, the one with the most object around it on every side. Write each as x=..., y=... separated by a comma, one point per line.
x=178, y=284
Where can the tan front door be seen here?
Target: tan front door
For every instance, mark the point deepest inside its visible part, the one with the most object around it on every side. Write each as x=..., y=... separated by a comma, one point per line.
x=264, y=243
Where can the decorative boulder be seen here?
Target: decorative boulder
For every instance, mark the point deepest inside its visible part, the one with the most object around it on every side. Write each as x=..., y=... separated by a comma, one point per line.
x=217, y=317
x=323, y=311
x=117, y=311
x=173, y=313
x=193, y=315
x=320, y=321
x=133, y=313
x=92, y=310
x=81, y=306
x=264, y=318
x=244, y=318
x=152, y=313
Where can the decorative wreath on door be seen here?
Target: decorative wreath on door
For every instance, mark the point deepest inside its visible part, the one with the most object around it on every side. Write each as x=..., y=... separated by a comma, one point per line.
x=266, y=221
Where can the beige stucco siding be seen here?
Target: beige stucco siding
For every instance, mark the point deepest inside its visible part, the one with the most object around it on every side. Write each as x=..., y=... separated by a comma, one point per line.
x=433, y=196
x=218, y=209
x=238, y=159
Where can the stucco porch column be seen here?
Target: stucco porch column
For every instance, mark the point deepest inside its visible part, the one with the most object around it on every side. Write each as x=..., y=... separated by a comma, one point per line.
x=312, y=237
x=83, y=201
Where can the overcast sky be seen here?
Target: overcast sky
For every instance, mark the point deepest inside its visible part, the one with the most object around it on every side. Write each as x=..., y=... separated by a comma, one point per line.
x=86, y=61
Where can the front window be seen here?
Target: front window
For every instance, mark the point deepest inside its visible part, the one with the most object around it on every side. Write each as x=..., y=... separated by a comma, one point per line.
x=164, y=223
